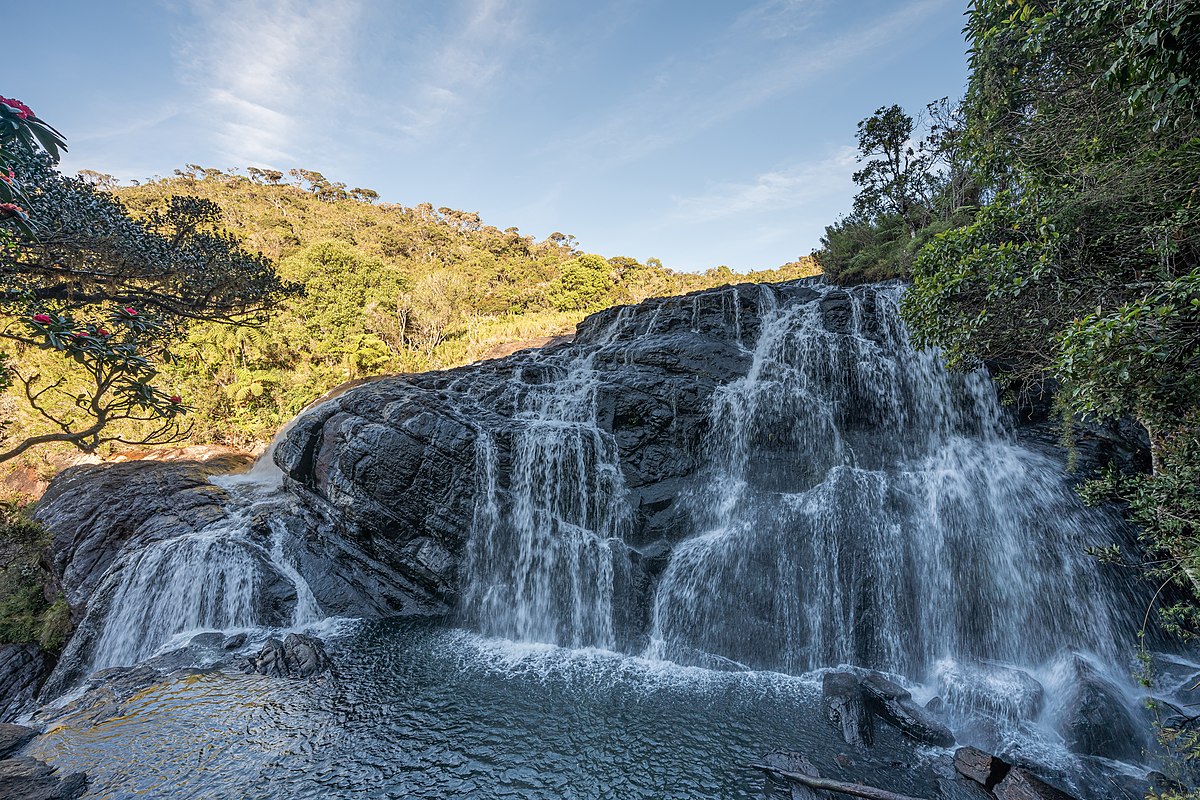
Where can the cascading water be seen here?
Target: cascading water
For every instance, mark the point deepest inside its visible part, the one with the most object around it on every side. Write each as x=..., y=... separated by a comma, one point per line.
x=763, y=480
x=541, y=565
x=233, y=574
x=862, y=505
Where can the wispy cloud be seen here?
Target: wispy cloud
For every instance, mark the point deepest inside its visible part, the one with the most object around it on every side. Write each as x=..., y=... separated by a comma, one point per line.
x=464, y=63
x=696, y=95
x=776, y=189
x=778, y=19
x=267, y=71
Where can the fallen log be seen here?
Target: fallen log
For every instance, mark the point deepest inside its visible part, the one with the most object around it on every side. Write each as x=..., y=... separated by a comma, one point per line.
x=841, y=787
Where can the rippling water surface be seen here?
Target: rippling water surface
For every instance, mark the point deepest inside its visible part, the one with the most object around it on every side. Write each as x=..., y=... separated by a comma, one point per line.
x=418, y=711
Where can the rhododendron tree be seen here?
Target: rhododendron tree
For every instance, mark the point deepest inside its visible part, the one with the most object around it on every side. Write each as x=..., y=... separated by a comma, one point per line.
x=94, y=300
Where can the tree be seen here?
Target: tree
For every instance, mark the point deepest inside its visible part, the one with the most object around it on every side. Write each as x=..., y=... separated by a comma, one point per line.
x=106, y=296
x=896, y=177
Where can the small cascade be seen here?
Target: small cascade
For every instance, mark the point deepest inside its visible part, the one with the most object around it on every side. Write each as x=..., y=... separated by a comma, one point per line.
x=543, y=560
x=862, y=505
x=233, y=574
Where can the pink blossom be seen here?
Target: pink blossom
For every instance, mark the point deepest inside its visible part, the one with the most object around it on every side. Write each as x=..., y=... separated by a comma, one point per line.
x=17, y=107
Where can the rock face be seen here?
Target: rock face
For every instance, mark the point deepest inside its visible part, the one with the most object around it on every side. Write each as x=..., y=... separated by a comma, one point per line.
x=95, y=511
x=23, y=668
x=14, y=737
x=395, y=462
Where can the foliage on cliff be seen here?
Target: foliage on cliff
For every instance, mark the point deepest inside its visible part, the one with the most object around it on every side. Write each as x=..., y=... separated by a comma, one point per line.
x=31, y=611
x=1074, y=255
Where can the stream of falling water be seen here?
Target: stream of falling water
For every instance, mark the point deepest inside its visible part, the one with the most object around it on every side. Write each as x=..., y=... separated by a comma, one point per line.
x=541, y=565
x=862, y=505
x=233, y=574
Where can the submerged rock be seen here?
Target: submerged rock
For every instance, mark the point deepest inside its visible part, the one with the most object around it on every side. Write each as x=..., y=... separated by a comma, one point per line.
x=297, y=656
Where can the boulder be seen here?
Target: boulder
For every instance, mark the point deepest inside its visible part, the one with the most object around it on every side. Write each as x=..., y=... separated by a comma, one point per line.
x=297, y=656
x=844, y=706
x=894, y=705
x=1096, y=718
x=983, y=768
x=1021, y=784
x=999, y=692
x=14, y=737
x=30, y=779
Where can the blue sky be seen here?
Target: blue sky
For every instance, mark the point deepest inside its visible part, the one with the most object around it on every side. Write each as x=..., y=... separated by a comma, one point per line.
x=699, y=133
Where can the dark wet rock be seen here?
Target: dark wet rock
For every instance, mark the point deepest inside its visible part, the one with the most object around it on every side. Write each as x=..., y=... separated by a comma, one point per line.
x=235, y=642
x=392, y=466
x=1097, y=720
x=960, y=788
x=208, y=639
x=297, y=656
x=844, y=706
x=14, y=737
x=996, y=691
x=778, y=788
x=23, y=669
x=983, y=768
x=1021, y=784
x=30, y=779
x=894, y=705
x=95, y=511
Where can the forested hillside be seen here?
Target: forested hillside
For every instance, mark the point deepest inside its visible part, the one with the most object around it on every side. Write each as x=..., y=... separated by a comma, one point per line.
x=376, y=288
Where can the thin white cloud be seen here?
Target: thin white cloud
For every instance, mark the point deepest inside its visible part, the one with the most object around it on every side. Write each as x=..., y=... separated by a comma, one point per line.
x=775, y=189
x=466, y=62
x=697, y=95
x=778, y=19
x=269, y=73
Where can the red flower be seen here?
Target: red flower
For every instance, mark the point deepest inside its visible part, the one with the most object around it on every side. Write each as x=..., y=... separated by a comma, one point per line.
x=176, y=399
x=9, y=177
x=131, y=312
x=17, y=107
x=102, y=332
x=44, y=319
x=79, y=335
x=12, y=210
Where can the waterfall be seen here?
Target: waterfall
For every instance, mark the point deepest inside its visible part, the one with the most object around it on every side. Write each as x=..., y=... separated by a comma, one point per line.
x=233, y=574
x=862, y=505
x=542, y=562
